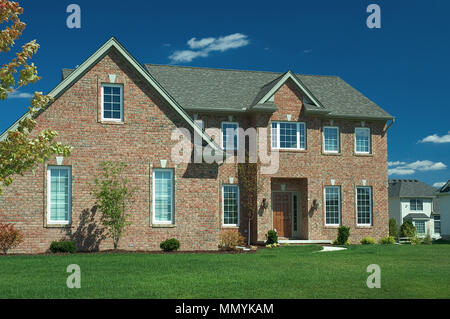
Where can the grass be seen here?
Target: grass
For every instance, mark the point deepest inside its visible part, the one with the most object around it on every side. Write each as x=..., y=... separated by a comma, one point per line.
x=286, y=272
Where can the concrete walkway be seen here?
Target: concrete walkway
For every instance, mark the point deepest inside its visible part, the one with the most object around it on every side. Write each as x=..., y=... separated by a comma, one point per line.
x=330, y=248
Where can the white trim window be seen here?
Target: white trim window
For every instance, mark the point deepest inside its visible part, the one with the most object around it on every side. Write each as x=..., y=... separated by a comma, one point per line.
x=112, y=102
x=331, y=141
x=437, y=224
x=420, y=226
x=288, y=135
x=230, y=205
x=163, y=210
x=362, y=140
x=416, y=204
x=230, y=138
x=59, y=194
x=364, y=205
x=332, y=201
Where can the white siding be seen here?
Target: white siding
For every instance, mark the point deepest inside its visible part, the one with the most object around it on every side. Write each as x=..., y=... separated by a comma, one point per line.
x=444, y=203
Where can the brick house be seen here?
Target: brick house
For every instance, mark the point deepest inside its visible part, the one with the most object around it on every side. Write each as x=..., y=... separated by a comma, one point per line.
x=330, y=142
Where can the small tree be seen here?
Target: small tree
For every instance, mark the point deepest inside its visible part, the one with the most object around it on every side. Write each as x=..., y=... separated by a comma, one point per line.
x=393, y=229
x=21, y=151
x=408, y=229
x=9, y=237
x=247, y=173
x=113, y=194
x=343, y=235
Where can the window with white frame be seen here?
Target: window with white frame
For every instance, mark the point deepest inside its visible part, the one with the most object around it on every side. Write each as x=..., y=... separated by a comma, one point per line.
x=230, y=205
x=59, y=193
x=364, y=205
x=331, y=139
x=163, y=210
x=332, y=205
x=288, y=135
x=362, y=140
x=230, y=132
x=416, y=204
x=437, y=224
x=112, y=102
x=420, y=226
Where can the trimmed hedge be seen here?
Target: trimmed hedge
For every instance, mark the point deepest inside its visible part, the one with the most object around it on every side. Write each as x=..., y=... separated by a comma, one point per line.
x=170, y=244
x=63, y=247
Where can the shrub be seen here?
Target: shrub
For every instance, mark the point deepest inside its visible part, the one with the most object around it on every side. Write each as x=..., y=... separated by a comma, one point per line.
x=343, y=235
x=170, y=244
x=393, y=229
x=271, y=237
x=63, y=246
x=407, y=229
x=9, y=237
x=427, y=240
x=230, y=239
x=387, y=240
x=415, y=241
x=368, y=241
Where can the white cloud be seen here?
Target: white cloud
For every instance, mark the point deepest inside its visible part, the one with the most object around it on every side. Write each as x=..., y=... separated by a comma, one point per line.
x=439, y=184
x=197, y=44
x=20, y=95
x=436, y=139
x=202, y=47
x=403, y=168
x=426, y=166
x=396, y=163
x=401, y=171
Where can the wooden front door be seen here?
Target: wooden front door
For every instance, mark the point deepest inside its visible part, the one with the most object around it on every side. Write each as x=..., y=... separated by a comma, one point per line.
x=282, y=214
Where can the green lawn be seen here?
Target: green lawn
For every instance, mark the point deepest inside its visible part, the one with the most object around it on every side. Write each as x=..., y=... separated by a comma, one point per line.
x=286, y=272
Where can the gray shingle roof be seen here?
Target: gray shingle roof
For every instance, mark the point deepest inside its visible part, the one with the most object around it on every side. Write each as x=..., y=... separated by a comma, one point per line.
x=237, y=90
x=410, y=188
x=210, y=88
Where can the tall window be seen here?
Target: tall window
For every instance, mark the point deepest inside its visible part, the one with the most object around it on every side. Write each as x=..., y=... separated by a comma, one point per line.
x=331, y=139
x=162, y=196
x=362, y=140
x=437, y=224
x=59, y=194
x=332, y=205
x=420, y=226
x=416, y=204
x=112, y=102
x=230, y=132
x=288, y=135
x=230, y=204
x=364, y=205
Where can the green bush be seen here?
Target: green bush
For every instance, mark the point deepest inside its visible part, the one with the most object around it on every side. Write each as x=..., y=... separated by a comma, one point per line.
x=415, y=241
x=393, y=229
x=387, y=240
x=271, y=237
x=427, y=240
x=368, y=241
x=343, y=235
x=63, y=246
x=170, y=244
x=407, y=229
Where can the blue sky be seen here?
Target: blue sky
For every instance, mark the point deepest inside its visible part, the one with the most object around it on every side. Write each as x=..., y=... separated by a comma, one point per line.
x=403, y=66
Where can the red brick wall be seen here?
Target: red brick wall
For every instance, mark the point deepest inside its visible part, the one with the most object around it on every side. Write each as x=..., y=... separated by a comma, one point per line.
x=346, y=168
x=144, y=139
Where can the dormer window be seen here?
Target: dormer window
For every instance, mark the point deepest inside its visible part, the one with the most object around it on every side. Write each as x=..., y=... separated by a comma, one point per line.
x=112, y=102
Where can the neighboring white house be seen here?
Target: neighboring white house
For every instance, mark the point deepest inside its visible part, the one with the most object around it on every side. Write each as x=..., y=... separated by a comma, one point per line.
x=410, y=199
x=444, y=203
